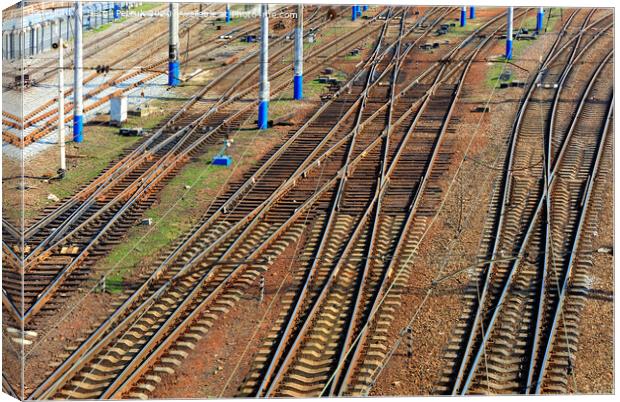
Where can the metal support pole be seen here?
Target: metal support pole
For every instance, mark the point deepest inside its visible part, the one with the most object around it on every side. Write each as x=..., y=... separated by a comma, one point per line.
x=353, y=13
x=299, y=54
x=509, y=35
x=227, y=13
x=78, y=118
x=263, y=106
x=174, y=65
x=539, y=20
x=117, y=11
x=61, y=105
x=463, y=13
x=472, y=12
x=365, y=7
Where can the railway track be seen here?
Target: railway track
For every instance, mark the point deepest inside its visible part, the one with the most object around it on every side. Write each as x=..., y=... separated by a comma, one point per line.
x=201, y=276
x=356, y=185
x=519, y=332
x=63, y=245
x=332, y=351
x=43, y=120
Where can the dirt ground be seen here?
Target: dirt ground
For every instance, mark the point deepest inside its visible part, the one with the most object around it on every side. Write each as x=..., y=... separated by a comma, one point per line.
x=594, y=360
x=233, y=339
x=446, y=249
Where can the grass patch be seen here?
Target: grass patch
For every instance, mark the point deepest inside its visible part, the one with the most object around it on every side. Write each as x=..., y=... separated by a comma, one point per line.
x=101, y=144
x=206, y=180
x=145, y=7
x=314, y=88
x=519, y=47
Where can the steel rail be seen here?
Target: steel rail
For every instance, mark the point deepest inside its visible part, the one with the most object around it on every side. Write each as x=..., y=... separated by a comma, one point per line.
x=63, y=274
x=516, y=263
x=134, y=370
x=267, y=378
x=375, y=219
x=548, y=170
x=213, y=109
x=579, y=232
x=297, y=214
x=357, y=344
x=300, y=172
x=141, y=150
x=11, y=229
x=144, y=177
x=49, y=125
x=76, y=356
x=350, y=244
x=322, y=190
x=342, y=172
x=554, y=105
x=8, y=388
x=10, y=306
x=12, y=256
x=503, y=202
x=114, y=79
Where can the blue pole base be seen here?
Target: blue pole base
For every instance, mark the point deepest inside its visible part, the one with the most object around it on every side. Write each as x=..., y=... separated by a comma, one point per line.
x=472, y=13
x=364, y=8
x=227, y=15
x=78, y=128
x=174, y=68
x=298, y=87
x=463, y=18
x=263, y=115
x=508, y=49
x=117, y=11
x=539, y=22
x=353, y=13
x=359, y=10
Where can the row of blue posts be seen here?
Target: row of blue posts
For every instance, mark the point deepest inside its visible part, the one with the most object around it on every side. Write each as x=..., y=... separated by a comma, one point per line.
x=509, y=31
x=356, y=12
